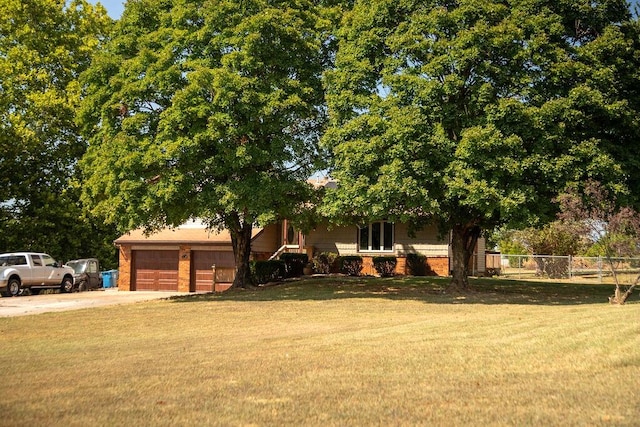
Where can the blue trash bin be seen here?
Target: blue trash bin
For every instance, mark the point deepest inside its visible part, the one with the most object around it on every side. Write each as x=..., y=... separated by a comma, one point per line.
x=107, y=277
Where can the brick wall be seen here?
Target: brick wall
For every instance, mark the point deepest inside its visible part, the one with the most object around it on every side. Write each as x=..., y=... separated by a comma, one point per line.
x=367, y=266
x=124, y=268
x=439, y=265
x=184, y=269
x=401, y=266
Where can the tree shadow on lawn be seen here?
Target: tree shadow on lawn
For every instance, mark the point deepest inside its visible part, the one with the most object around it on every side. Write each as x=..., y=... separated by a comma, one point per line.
x=431, y=290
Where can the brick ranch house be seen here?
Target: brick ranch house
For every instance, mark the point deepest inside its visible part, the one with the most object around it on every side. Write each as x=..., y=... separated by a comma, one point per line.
x=187, y=259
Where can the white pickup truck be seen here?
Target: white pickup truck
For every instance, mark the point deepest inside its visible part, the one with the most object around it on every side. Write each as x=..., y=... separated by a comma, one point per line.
x=34, y=271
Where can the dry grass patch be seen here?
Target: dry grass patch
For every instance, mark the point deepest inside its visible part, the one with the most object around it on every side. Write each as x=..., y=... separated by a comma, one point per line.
x=330, y=352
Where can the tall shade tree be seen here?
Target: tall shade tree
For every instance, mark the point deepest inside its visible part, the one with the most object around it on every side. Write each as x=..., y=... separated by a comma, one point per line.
x=470, y=113
x=612, y=107
x=205, y=109
x=44, y=46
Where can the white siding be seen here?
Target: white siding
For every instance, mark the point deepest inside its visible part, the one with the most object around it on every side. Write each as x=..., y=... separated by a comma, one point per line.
x=268, y=240
x=481, y=255
x=343, y=240
x=426, y=241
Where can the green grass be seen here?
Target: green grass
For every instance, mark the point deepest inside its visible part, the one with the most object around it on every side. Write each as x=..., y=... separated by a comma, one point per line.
x=331, y=352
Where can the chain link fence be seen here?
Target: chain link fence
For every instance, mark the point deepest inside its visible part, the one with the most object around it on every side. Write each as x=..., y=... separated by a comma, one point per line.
x=571, y=268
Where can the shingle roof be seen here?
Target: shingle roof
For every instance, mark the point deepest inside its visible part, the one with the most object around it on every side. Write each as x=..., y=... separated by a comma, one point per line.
x=179, y=235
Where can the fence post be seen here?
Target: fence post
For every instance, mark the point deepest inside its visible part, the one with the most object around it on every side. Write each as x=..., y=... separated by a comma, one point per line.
x=519, y=267
x=213, y=267
x=599, y=269
x=570, y=262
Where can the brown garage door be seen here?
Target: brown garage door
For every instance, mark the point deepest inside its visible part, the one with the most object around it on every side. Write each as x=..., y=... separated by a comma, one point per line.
x=202, y=273
x=156, y=270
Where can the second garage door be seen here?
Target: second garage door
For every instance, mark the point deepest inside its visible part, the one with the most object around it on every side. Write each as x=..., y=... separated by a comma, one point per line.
x=202, y=272
x=156, y=270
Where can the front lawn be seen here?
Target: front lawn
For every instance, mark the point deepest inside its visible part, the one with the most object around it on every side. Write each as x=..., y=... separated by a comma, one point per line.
x=331, y=351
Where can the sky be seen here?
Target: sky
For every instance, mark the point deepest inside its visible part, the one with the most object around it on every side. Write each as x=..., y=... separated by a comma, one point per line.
x=114, y=7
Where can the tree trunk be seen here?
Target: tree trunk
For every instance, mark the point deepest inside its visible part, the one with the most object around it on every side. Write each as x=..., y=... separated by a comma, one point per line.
x=241, y=241
x=463, y=241
x=620, y=297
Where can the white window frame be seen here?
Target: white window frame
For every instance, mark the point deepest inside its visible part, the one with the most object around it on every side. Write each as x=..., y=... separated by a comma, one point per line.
x=369, y=228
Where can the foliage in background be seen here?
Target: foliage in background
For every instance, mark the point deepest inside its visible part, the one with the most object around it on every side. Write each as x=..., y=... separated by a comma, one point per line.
x=506, y=241
x=621, y=244
x=478, y=113
x=44, y=46
x=555, y=238
x=615, y=229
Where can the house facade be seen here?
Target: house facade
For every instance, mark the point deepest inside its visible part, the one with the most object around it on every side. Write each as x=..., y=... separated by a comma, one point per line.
x=384, y=238
x=192, y=259
x=185, y=259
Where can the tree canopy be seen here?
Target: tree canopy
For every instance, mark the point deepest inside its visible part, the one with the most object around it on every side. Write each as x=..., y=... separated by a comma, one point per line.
x=44, y=46
x=203, y=109
x=474, y=113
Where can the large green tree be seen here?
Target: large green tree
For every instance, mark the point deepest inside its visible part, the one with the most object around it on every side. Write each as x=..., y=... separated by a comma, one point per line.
x=44, y=46
x=472, y=113
x=206, y=109
x=610, y=110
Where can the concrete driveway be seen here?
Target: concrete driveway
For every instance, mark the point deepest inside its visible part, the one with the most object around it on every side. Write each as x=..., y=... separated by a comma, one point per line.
x=34, y=304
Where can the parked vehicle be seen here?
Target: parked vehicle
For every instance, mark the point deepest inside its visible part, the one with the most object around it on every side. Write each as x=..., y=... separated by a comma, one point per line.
x=86, y=273
x=33, y=271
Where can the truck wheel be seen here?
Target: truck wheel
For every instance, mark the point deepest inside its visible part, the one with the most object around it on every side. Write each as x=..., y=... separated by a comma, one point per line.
x=13, y=287
x=67, y=285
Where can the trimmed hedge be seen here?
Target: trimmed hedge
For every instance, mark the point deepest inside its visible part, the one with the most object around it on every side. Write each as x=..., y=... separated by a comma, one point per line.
x=351, y=265
x=417, y=265
x=325, y=262
x=385, y=265
x=294, y=263
x=268, y=271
